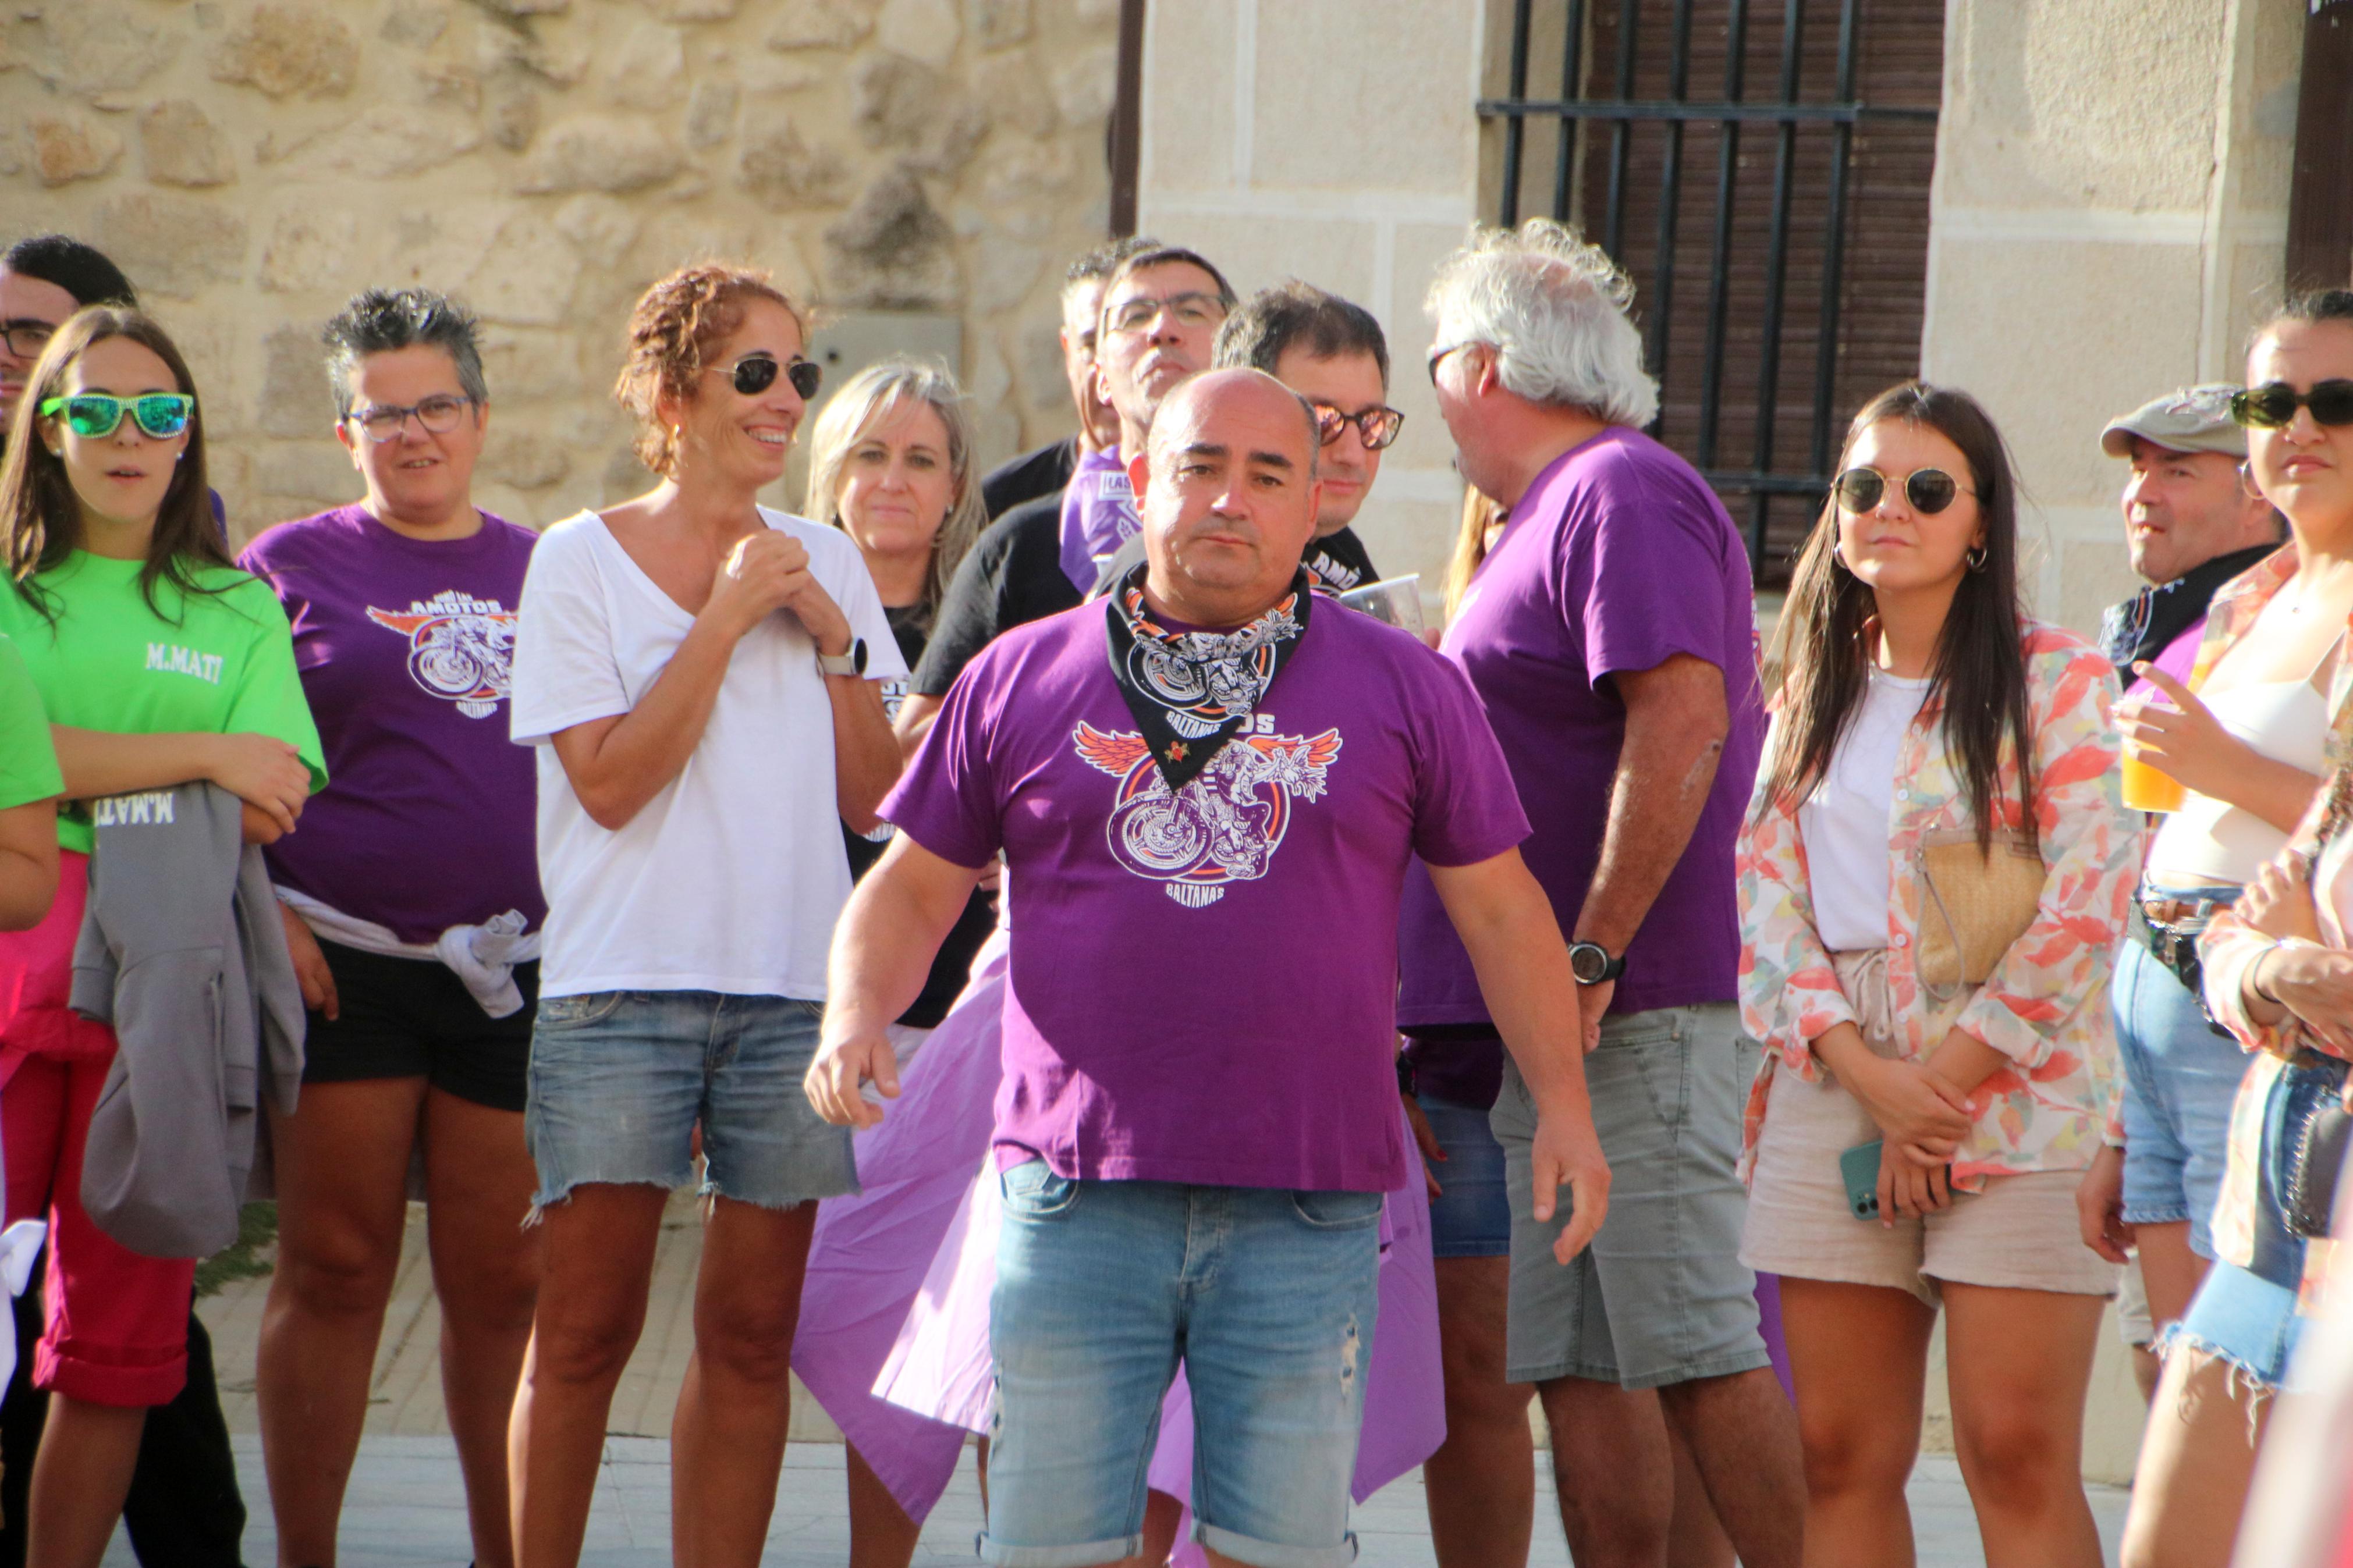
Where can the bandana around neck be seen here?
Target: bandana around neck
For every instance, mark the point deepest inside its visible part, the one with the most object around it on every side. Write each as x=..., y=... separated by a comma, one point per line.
x=1097, y=516
x=1191, y=693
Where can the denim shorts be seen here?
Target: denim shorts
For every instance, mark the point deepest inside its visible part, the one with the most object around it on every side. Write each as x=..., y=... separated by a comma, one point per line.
x=1661, y=1296
x=1472, y=1214
x=1267, y=1296
x=2180, y=1080
x=619, y=1079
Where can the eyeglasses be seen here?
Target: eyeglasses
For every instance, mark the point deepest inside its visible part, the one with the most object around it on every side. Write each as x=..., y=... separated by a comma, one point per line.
x=436, y=415
x=2272, y=407
x=1438, y=357
x=94, y=416
x=1930, y=490
x=1192, y=310
x=26, y=340
x=755, y=374
x=1377, y=424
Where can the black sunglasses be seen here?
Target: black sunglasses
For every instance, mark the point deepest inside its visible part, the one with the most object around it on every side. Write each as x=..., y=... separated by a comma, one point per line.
x=1377, y=424
x=1930, y=490
x=755, y=374
x=2273, y=407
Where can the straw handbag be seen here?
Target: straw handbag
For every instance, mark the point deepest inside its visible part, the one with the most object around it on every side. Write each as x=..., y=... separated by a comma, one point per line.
x=1973, y=904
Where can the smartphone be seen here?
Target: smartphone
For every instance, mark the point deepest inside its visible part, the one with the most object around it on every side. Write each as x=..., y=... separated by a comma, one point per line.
x=1860, y=1167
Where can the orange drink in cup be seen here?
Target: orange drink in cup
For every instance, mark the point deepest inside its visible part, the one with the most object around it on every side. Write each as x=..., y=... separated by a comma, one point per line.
x=2146, y=787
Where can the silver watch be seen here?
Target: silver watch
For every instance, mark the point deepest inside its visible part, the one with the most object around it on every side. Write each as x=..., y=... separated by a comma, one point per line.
x=851, y=663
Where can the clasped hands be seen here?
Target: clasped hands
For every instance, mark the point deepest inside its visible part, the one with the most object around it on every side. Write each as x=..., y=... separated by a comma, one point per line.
x=2302, y=974
x=1922, y=1116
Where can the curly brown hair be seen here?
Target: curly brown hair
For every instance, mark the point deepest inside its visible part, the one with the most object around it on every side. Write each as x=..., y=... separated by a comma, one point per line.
x=673, y=329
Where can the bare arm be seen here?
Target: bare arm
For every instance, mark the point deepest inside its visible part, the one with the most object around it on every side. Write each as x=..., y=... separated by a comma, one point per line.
x=28, y=863
x=1676, y=721
x=882, y=951
x=1507, y=924
x=262, y=771
x=865, y=752
x=2188, y=742
x=915, y=716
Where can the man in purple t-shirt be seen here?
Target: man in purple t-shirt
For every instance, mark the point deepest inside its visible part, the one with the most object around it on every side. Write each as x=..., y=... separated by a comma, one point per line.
x=1206, y=786
x=1610, y=633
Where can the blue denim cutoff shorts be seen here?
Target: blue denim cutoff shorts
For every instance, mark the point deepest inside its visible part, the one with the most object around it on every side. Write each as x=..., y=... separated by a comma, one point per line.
x=1267, y=1296
x=619, y=1079
x=1472, y=1214
x=2181, y=1079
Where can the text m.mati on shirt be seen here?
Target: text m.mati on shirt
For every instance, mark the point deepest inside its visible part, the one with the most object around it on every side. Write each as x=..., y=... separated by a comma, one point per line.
x=184, y=662
x=147, y=808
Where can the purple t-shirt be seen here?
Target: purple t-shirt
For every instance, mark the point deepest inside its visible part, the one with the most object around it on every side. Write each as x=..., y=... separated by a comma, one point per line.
x=1617, y=558
x=404, y=646
x=1202, y=986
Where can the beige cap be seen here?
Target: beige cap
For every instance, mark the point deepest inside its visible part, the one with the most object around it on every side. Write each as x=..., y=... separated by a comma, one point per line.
x=2194, y=419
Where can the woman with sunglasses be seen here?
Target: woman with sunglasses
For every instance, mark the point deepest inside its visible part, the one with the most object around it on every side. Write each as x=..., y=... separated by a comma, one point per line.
x=2275, y=970
x=1922, y=721
x=158, y=664
x=411, y=903
x=701, y=678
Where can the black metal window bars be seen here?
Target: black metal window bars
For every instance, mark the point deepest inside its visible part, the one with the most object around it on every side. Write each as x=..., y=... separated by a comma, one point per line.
x=1768, y=474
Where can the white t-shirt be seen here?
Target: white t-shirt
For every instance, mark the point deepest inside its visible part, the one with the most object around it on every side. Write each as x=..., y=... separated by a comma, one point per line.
x=731, y=878
x=1845, y=823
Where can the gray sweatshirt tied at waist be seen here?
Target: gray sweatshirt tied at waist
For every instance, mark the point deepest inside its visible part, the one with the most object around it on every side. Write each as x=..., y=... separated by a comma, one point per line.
x=183, y=951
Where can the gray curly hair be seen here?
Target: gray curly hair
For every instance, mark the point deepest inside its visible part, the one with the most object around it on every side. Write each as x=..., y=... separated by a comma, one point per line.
x=1554, y=309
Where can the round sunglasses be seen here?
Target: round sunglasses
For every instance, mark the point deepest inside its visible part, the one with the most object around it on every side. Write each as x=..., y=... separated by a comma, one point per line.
x=1377, y=425
x=94, y=416
x=1930, y=490
x=2273, y=406
x=755, y=374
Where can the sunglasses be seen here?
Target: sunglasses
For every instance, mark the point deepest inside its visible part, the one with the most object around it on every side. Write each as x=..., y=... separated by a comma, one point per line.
x=2272, y=407
x=93, y=416
x=1377, y=425
x=1930, y=490
x=755, y=374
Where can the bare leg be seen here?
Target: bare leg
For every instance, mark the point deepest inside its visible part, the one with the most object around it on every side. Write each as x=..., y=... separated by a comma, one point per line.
x=343, y=1165
x=1696, y=1538
x=727, y=1441
x=2196, y=1464
x=478, y=1181
x=80, y=1476
x=880, y=1533
x=2021, y=1365
x=599, y=1250
x=2169, y=1270
x=1612, y=1470
x=1858, y=1355
x=1745, y=1446
x=1481, y=1485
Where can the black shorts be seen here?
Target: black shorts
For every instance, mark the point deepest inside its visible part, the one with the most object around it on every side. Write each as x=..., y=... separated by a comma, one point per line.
x=411, y=1017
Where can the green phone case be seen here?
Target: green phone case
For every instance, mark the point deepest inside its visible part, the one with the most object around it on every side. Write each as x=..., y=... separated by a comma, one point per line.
x=1860, y=1167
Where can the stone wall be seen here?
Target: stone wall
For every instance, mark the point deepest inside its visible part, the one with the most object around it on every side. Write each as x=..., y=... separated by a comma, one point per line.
x=252, y=164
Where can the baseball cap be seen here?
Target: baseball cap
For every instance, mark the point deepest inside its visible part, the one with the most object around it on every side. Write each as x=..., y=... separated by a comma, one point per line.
x=2194, y=419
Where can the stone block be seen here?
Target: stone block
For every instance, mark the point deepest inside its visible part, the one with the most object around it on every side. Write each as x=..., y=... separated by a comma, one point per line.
x=309, y=250
x=173, y=245
x=695, y=10
x=764, y=74
x=1008, y=84
x=925, y=30
x=902, y=103
x=1396, y=97
x=528, y=365
x=415, y=25
x=1004, y=271
x=821, y=24
x=392, y=139
x=294, y=397
x=527, y=275
x=184, y=147
x=511, y=113
x=314, y=470
x=600, y=153
x=1188, y=124
x=2093, y=574
x=647, y=69
x=785, y=170
x=997, y=24
x=525, y=459
x=1409, y=533
x=711, y=113
x=69, y=147
x=519, y=8
x=87, y=48
x=1085, y=87
x=599, y=224
x=289, y=50
x=893, y=251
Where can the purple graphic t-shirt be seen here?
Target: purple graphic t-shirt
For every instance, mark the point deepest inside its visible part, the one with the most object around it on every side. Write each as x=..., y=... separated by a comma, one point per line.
x=404, y=646
x=1203, y=983
x=1097, y=516
x=1617, y=558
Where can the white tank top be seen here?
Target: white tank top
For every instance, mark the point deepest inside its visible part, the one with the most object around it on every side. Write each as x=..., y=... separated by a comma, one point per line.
x=2286, y=720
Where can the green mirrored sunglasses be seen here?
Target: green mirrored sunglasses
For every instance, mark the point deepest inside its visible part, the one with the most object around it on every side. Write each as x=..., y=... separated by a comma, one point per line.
x=93, y=416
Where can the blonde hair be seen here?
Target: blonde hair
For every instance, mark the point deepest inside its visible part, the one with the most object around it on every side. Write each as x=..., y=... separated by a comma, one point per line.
x=1481, y=515
x=865, y=398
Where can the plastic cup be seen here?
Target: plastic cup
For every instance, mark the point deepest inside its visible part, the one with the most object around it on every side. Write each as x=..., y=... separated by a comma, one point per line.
x=1395, y=600
x=2146, y=787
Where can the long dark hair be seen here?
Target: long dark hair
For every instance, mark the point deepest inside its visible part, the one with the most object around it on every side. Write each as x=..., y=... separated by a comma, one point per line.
x=39, y=517
x=1822, y=654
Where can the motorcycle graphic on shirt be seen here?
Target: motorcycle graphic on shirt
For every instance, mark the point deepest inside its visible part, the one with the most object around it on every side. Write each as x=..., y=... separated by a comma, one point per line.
x=1227, y=821
x=460, y=649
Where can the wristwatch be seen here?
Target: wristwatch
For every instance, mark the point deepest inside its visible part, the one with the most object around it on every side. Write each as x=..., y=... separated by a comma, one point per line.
x=1591, y=962
x=851, y=663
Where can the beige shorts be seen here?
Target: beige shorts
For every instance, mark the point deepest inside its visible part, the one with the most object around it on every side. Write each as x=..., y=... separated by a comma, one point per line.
x=2020, y=1233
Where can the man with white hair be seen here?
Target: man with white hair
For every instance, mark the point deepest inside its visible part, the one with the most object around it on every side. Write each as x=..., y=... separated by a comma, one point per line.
x=1610, y=633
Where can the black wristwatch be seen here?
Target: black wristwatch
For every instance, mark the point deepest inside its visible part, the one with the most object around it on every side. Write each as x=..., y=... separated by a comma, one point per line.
x=1592, y=964
x=1409, y=1084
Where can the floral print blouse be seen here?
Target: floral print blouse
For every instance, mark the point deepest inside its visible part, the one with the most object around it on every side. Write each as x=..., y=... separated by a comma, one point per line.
x=2045, y=1005
x=2229, y=945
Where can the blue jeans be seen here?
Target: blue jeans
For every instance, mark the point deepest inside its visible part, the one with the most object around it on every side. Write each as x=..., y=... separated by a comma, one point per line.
x=619, y=1079
x=1472, y=1214
x=2180, y=1080
x=1268, y=1298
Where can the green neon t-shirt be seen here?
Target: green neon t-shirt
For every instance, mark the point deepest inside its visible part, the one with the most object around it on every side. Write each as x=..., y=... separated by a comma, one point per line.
x=220, y=661
x=28, y=763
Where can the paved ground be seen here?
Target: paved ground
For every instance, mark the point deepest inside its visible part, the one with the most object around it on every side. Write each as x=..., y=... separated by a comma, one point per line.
x=405, y=1510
